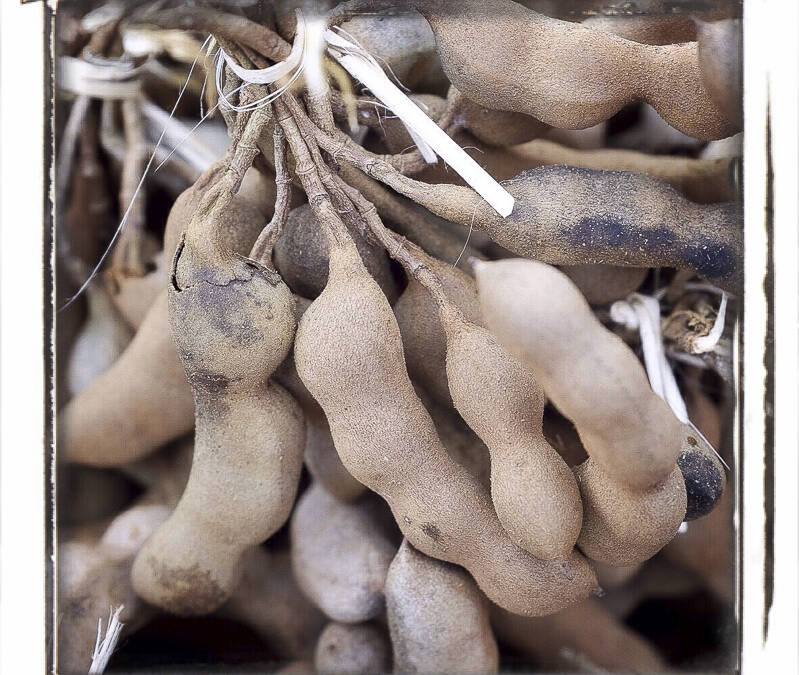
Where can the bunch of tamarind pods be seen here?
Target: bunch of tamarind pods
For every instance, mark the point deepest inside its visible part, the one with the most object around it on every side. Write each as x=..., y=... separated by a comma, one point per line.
x=321, y=389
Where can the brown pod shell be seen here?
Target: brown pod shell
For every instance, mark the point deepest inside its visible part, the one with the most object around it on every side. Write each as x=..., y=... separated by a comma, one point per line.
x=624, y=526
x=340, y=555
x=720, y=63
x=437, y=617
x=349, y=354
x=602, y=284
x=589, y=373
x=533, y=490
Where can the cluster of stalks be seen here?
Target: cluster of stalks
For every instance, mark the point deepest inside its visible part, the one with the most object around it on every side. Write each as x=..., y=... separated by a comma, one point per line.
x=346, y=403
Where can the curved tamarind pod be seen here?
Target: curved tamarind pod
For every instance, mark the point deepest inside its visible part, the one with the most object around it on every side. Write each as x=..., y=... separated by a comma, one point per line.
x=720, y=55
x=269, y=601
x=623, y=526
x=301, y=256
x=423, y=338
x=348, y=352
x=232, y=321
x=137, y=405
x=593, y=378
x=586, y=636
x=602, y=284
x=321, y=457
x=498, y=127
x=340, y=555
x=362, y=649
x=437, y=617
x=533, y=490
x=564, y=74
x=103, y=337
x=94, y=578
x=568, y=215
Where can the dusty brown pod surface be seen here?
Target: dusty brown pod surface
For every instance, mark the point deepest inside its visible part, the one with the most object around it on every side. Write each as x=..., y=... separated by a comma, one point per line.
x=704, y=474
x=601, y=284
x=349, y=354
x=720, y=62
x=589, y=373
x=340, y=555
x=437, y=617
x=623, y=526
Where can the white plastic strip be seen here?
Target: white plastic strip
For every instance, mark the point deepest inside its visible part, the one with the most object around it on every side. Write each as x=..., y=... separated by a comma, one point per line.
x=707, y=342
x=364, y=69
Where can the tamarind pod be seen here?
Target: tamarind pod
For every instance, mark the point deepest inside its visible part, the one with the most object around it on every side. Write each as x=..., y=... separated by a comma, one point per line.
x=269, y=601
x=533, y=490
x=648, y=29
x=321, y=457
x=623, y=526
x=423, y=337
x=564, y=74
x=140, y=403
x=611, y=577
x=362, y=649
x=437, y=617
x=232, y=320
x=498, y=127
x=585, y=635
x=101, y=340
x=590, y=375
x=164, y=474
x=340, y=555
x=569, y=215
x=602, y=284
x=301, y=256
x=94, y=578
x=720, y=65
x=348, y=353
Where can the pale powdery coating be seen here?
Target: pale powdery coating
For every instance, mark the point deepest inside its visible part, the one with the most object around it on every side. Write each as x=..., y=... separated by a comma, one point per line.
x=532, y=488
x=564, y=74
x=624, y=526
x=349, y=354
x=133, y=296
x=233, y=322
x=586, y=634
x=602, y=284
x=437, y=617
x=340, y=555
x=590, y=375
x=94, y=577
x=269, y=601
x=423, y=337
x=362, y=649
x=301, y=256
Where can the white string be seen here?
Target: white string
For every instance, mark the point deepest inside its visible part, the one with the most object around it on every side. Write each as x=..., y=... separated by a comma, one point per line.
x=103, y=649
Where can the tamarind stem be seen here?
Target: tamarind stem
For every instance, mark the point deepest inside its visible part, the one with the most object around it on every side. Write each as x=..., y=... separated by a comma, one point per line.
x=127, y=255
x=262, y=249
